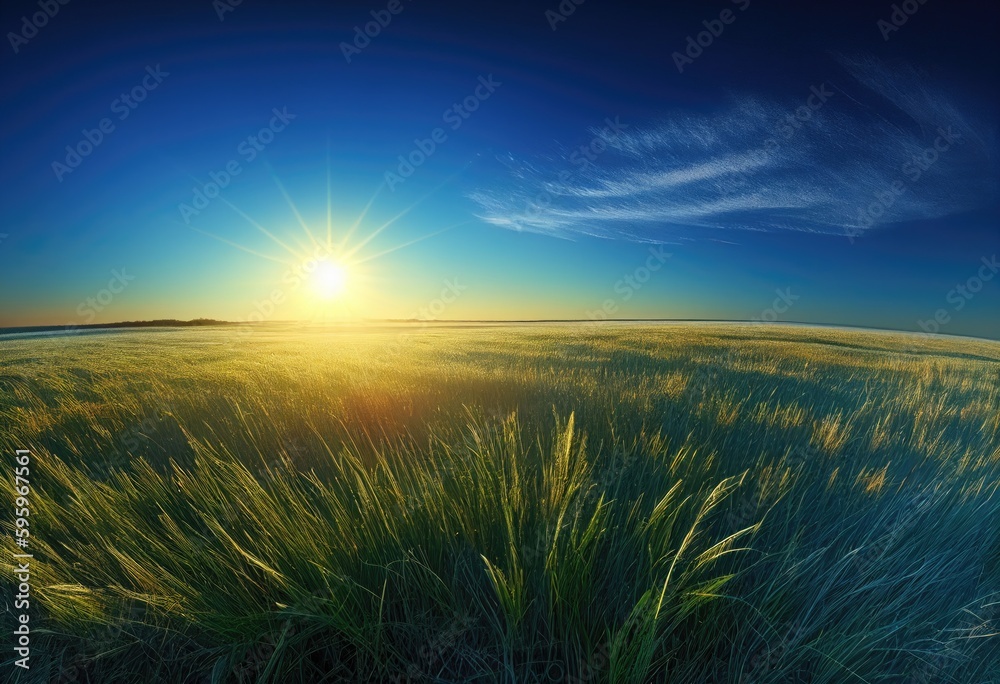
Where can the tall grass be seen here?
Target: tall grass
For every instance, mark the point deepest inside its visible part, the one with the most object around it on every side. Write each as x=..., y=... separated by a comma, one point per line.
x=536, y=504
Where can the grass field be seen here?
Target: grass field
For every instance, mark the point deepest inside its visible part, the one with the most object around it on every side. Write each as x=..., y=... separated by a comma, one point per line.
x=615, y=503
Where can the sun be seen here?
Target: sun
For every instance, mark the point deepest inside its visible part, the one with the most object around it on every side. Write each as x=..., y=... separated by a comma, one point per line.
x=333, y=277
x=329, y=279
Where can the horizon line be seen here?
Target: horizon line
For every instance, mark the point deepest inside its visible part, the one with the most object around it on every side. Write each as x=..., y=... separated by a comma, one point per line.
x=209, y=322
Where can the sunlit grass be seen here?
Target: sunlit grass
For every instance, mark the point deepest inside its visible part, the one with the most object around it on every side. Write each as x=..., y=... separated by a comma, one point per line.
x=600, y=503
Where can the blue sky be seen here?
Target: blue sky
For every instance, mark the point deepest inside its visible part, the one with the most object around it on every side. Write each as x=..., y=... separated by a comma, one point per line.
x=809, y=157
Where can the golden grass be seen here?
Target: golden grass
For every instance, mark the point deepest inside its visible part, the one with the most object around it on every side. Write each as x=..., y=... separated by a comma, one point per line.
x=620, y=503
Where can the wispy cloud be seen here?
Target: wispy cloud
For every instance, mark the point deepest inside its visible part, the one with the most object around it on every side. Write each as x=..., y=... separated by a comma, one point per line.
x=746, y=168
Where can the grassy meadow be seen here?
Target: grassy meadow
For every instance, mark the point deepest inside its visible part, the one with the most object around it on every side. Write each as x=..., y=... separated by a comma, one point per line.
x=539, y=503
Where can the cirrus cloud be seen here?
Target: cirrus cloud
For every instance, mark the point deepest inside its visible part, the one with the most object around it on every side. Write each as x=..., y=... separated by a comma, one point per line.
x=746, y=168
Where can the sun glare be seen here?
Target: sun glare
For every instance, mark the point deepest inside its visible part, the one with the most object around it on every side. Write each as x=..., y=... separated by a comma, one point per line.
x=330, y=279
x=335, y=284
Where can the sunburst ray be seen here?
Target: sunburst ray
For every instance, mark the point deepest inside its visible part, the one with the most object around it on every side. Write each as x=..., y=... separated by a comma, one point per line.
x=262, y=229
x=403, y=213
x=236, y=245
x=291, y=205
x=407, y=244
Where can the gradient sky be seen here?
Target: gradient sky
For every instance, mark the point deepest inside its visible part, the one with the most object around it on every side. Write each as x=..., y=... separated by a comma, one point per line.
x=825, y=218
